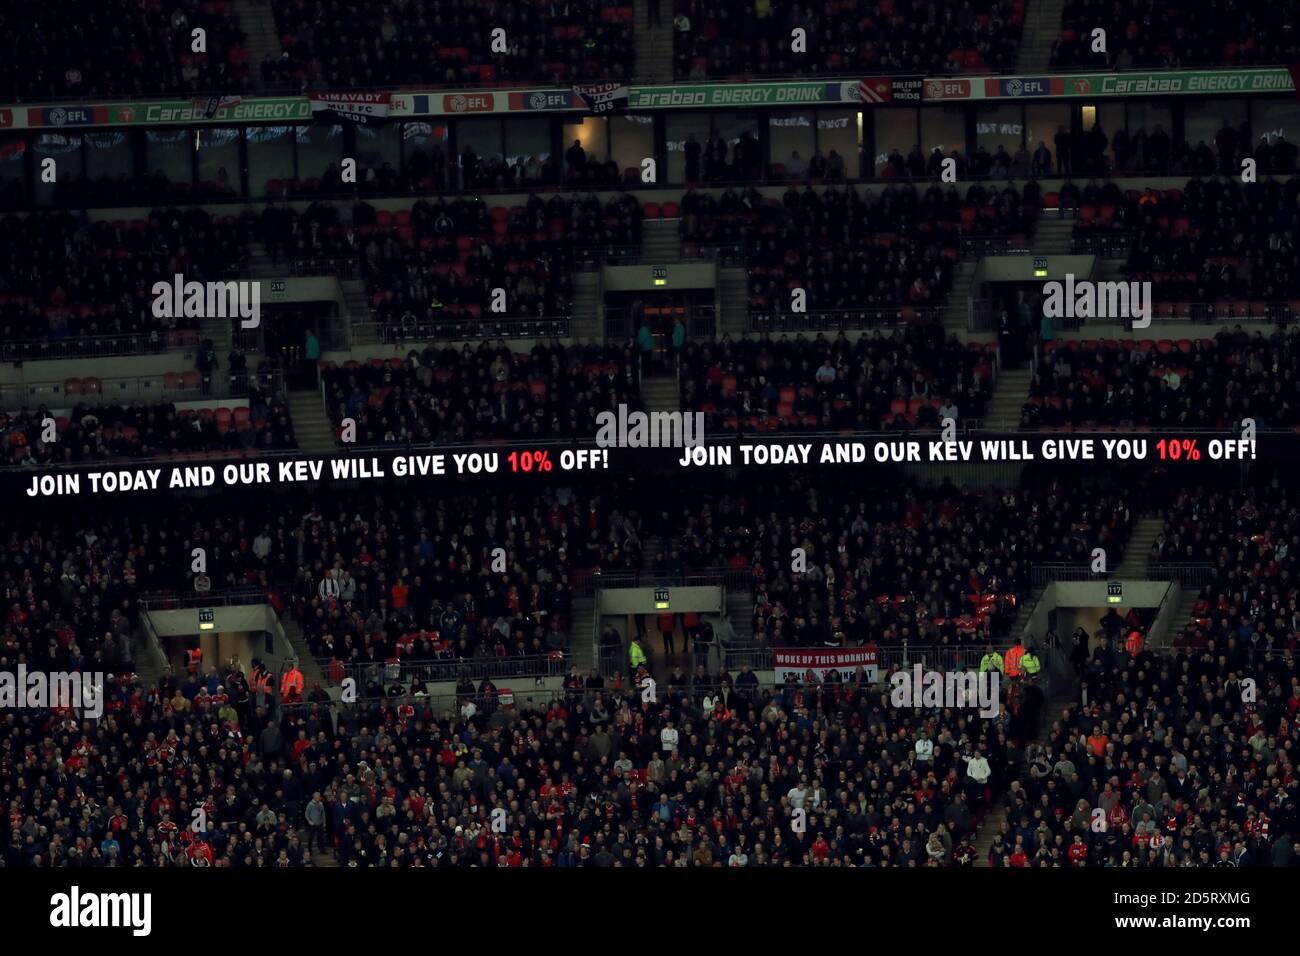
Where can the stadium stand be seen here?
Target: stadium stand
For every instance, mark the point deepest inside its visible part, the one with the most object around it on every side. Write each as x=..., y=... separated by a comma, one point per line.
x=1189, y=35
x=448, y=396
x=371, y=44
x=119, y=48
x=729, y=39
x=1212, y=383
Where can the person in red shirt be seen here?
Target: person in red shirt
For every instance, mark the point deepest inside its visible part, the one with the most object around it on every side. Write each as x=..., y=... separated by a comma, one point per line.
x=1078, y=852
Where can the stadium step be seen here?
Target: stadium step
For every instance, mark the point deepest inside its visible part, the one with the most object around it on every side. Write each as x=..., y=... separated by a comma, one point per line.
x=260, y=261
x=582, y=635
x=261, y=36
x=310, y=426
x=1138, y=549
x=733, y=299
x=955, y=308
x=1053, y=236
x=1025, y=612
x=654, y=45
x=660, y=242
x=1184, y=615
x=588, y=322
x=1009, y=396
x=661, y=393
x=1042, y=28
x=1053, y=709
x=311, y=670
x=740, y=611
x=321, y=858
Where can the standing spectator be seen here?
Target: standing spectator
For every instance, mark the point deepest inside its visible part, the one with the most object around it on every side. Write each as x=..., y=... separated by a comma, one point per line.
x=1063, y=157
x=206, y=363
x=692, y=153
x=310, y=357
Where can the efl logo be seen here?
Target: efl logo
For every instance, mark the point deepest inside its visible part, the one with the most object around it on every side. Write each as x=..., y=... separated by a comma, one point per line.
x=947, y=89
x=548, y=101
x=468, y=103
x=73, y=910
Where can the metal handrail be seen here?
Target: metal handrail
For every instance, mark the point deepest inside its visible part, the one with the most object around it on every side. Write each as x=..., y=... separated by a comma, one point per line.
x=458, y=328
x=175, y=600
x=837, y=319
x=451, y=669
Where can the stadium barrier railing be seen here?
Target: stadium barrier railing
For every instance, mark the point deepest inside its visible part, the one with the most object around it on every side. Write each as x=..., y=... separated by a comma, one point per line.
x=466, y=328
x=449, y=669
x=173, y=600
x=1189, y=575
x=835, y=320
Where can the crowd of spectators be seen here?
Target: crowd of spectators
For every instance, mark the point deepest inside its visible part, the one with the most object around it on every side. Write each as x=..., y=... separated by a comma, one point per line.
x=1211, y=383
x=447, y=396
x=716, y=39
x=1186, y=768
x=65, y=276
x=445, y=260
x=1245, y=536
x=1140, y=34
x=121, y=48
x=929, y=565
x=848, y=249
x=450, y=42
x=910, y=377
x=104, y=432
x=464, y=578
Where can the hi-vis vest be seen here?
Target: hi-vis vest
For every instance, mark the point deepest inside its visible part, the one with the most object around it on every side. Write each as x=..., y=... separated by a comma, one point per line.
x=1013, y=659
x=1031, y=663
x=991, y=662
x=638, y=655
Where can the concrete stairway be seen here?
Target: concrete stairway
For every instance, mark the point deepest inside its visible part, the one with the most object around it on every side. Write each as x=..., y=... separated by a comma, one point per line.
x=733, y=301
x=654, y=45
x=1026, y=611
x=661, y=394
x=1009, y=397
x=581, y=633
x=997, y=813
x=955, y=309
x=311, y=670
x=1183, y=616
x=218, y=330
x=357, y=304
x=1041, y=29
x=149, y=672
x=660, y=242
x=588, y=313
x=261, y=35
x=260, y=260
x=1138, y=549
x=310, y=426
x=740, y=610
x=1053, y=236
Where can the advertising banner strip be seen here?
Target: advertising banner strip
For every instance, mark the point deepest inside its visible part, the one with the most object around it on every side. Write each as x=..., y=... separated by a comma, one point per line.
x=874, y=90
